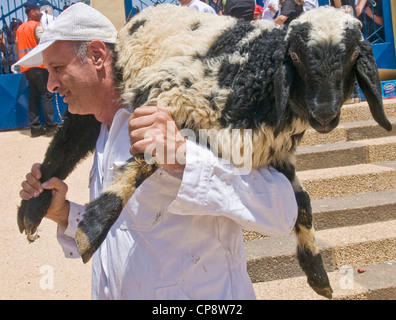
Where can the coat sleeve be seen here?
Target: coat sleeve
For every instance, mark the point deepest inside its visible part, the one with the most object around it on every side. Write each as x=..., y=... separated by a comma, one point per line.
x=261, y=200
x=66, y=235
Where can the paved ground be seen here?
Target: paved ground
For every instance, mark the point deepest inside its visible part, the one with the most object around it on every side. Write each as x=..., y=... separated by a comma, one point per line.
x=38, y=270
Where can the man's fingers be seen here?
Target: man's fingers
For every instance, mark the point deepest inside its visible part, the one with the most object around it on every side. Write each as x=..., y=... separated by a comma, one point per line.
x=144, y=111
x=25, y=195
x=32, y=183
x=36, y=171
x=31, y=187
x=146, y=146
x=147, y=116
x=56, y=184
x=138, y=133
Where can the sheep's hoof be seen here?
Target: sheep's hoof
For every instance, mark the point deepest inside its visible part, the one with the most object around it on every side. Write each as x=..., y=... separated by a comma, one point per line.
x=313, y=267
x=84, y=247
x=96, y=223
x=31, y=213
x=325, y=292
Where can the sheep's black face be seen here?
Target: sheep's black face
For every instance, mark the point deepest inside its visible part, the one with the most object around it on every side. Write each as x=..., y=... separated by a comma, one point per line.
x=324, y=79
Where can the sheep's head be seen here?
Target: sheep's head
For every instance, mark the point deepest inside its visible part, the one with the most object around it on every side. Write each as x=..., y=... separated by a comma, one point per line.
x=325, y=54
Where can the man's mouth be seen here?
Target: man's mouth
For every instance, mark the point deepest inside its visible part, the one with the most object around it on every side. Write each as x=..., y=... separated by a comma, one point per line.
x=65, y=96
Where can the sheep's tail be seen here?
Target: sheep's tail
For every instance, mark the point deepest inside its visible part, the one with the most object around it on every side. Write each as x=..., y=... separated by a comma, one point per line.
x=101, y=213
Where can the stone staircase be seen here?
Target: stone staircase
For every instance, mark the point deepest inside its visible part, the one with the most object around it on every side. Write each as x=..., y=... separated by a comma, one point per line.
x=350, y=175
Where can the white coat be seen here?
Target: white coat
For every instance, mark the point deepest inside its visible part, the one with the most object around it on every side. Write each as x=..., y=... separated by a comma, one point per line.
x=180, y=235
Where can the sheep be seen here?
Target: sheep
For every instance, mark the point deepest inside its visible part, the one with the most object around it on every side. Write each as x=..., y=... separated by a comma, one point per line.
x=250, y=85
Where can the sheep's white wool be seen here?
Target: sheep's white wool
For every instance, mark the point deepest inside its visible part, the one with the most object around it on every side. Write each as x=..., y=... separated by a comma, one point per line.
x=133, y=59
x=170, y=60
x=260, y=26
x=329, y=24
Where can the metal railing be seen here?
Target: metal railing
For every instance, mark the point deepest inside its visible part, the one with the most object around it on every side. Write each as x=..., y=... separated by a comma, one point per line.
x=11, y=16
x=372, y=18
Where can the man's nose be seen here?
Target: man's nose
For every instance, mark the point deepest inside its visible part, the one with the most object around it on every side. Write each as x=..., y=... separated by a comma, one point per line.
x=52, y=84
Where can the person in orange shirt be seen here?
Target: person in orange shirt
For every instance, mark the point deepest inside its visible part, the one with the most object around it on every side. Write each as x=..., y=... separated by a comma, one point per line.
x=28, y=36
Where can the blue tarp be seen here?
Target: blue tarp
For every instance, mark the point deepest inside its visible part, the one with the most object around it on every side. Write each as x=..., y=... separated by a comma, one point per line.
x=14, y=95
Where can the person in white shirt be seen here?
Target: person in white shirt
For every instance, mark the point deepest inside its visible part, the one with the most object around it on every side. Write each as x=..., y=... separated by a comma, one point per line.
x=197, y=5
x=310, y=4
x=180, y=235
x=47, y=17
x=270, y=8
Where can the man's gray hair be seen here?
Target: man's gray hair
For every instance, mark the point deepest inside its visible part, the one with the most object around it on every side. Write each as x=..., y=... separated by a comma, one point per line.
x=81, y=48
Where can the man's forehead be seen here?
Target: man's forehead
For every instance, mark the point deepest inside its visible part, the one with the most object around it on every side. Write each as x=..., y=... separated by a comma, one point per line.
x=59, y=50
x=60, y=46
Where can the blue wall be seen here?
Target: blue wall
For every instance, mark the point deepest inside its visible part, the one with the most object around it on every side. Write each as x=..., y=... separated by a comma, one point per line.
x=14, y=95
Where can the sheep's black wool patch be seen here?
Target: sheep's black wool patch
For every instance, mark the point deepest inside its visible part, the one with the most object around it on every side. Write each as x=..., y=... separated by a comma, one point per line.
x=136, y=26
x=251, y=100
x=195, y=26
x=228, y=41
x=299, y=33
x=141, y=97
x=118, y=71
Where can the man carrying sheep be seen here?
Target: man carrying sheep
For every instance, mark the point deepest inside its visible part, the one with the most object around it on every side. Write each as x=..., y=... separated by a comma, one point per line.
x=180, y=235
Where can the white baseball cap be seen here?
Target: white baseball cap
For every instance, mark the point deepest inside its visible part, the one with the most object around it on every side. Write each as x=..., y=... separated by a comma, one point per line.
x=79, y=22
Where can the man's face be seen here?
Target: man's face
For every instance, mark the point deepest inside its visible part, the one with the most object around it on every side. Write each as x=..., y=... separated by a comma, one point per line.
x=35, y=14
x=77, y=82
x=184, y=2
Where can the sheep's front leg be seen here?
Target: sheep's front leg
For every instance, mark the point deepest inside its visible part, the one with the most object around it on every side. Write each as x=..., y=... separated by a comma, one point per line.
x=308, y=254
x=73, y=141
x=101, y=213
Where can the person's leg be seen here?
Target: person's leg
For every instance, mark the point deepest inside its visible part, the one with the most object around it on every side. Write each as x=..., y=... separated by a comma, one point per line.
x=34, y=104
x=46, y=97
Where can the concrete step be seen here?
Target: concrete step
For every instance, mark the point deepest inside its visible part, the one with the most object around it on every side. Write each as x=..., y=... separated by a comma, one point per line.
x=351, y=210
x=273, y=258
x=354, y=209
x=346, y=153
x=341, y=181
x=376, y=282
x=350, y=175
x=348, y=131
x=360, y=111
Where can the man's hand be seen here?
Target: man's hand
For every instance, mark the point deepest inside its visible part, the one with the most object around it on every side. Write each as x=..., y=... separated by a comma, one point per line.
x=32, y=187
x=153, y=132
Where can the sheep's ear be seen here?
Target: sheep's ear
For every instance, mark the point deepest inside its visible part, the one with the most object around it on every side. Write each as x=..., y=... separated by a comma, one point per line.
x=283, y=81
x=367, y=76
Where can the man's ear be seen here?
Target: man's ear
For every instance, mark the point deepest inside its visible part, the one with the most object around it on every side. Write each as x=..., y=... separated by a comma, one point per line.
x=97, y=50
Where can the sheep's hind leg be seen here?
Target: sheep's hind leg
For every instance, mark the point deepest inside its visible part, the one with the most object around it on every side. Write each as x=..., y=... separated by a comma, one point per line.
x=101, y=213
x=308, y=254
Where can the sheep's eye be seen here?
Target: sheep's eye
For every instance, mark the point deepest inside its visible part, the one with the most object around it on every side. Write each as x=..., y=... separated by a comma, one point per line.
x=294, y=57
